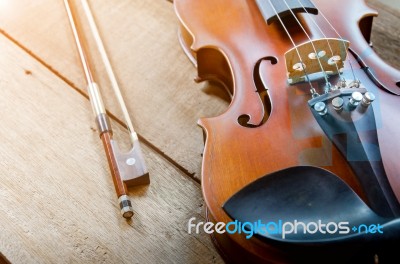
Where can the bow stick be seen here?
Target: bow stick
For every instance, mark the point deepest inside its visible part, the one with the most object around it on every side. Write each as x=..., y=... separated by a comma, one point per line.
x=127, y=169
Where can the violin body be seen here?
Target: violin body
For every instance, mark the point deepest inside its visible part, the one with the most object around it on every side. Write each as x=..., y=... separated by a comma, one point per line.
x=268, y=125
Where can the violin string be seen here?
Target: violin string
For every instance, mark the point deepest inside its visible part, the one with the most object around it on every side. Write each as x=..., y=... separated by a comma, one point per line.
x=322, y=32
x=312, y=44
x=337, y=33
x=312, y=89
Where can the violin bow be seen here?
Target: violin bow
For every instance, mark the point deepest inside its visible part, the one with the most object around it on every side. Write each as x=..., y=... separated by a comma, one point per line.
x=127, y=169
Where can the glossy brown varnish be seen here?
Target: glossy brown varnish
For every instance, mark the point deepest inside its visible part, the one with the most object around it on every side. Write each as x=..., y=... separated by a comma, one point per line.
x=227, y=39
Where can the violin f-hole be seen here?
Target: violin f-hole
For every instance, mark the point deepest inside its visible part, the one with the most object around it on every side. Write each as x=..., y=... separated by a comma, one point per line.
x=244, y=119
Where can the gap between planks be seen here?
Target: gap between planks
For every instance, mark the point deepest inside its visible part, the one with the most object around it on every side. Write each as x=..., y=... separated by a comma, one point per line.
x=112, y=116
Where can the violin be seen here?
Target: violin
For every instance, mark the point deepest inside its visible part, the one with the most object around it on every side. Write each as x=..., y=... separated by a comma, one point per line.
x=310, y=137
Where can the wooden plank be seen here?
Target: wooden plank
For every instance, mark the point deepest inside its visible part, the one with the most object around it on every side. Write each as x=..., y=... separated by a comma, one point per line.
x=58, y=202
x=155, y=75
x=386, y=32
x=164, y=122
x=84, y=231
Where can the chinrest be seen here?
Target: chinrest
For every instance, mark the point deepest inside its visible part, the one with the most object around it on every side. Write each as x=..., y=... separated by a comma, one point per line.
x=308, y=206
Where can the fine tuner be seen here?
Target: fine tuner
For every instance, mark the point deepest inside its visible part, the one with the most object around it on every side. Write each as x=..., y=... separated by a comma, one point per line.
x=337, y=100
x=277, y=154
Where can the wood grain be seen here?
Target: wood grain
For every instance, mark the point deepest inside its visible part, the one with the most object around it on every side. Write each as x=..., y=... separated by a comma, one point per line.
x=58, y=203
x=236, y=156
x=57, y=199
x=154, y=74
x=164, y=109
x=386, y=32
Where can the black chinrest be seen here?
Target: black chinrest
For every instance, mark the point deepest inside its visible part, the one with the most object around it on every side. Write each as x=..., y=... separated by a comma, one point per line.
x=310, y=194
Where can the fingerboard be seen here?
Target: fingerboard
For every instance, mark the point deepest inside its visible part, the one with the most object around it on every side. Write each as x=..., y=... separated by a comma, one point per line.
x=281, y=8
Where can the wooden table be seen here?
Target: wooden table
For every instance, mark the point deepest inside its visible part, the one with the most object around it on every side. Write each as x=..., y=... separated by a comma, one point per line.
x=58, y=202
